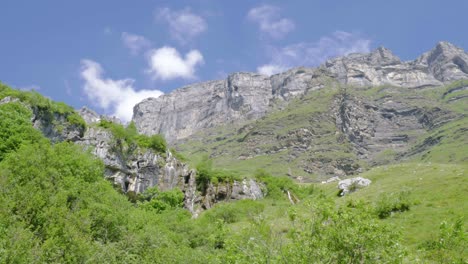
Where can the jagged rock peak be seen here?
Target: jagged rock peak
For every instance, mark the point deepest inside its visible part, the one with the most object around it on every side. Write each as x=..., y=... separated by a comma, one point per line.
x=89, y=115
x=444, y=46
x=245, y=96
x=383, y=56
x=446, y=62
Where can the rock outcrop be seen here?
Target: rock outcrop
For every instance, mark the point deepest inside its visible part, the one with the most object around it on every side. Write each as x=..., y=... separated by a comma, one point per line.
x=133, y=169
x=133, y=172
x=237, y=190
x=385, y=124
x=353, y=184
x=247, y=96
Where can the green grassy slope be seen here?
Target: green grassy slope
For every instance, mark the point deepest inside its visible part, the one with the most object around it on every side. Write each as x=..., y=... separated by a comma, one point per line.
x=435, y=193
x=57, y=208
x=271, y=142
x=438, y=192
x=287, y=141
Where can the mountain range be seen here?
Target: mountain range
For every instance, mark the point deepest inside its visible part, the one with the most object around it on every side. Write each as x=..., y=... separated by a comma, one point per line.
x=244, y=170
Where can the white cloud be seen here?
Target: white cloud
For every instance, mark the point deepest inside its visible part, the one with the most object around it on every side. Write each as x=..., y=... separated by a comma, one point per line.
x=270, y=69
x=183, y=25
x=115, y=96
x=135, y=43
x=339, y=43
x=270, y=22
x=166, y=63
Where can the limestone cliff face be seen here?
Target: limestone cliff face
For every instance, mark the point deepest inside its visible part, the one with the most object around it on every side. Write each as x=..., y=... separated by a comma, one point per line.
x=247, y=96
x=135, y=170
x=187, y=110
x=54, y=126
x=384, y=124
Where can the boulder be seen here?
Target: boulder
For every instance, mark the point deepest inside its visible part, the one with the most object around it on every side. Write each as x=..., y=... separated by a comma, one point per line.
x=353, y=184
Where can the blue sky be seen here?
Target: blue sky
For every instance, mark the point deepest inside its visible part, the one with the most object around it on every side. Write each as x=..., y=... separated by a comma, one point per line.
x=108, y=54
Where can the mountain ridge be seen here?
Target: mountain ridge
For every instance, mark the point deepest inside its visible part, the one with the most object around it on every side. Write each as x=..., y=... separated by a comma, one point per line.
x=248, y=96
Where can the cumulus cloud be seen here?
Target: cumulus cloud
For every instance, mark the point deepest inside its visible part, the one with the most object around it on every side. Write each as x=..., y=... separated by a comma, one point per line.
x=166, y=63
x=338, y=43
x=115, y=96
x=270, y=22
x=183, y=24
x=135, y=43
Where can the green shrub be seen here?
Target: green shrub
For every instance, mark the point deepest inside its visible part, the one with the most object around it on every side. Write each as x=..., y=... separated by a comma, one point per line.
x=342, y=235
x=450, y=245
x=128, y=137
x=16, y=128
x=75, y=119
x=278, y=186
x=44, y=105
x=391, y=203
x=320, y=232
x=153, y=199
x=154, y=142
x=231, y=212
x=206, y=174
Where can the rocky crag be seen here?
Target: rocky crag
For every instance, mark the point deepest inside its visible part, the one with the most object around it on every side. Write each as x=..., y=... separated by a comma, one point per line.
x=135, y=171
x=249, y=96
x=338, y=119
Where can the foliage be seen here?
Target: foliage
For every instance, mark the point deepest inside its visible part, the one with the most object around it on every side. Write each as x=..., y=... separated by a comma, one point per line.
x=325, y=234
x=344, y=235
x=57, y=208
x=233, y=212
x=153, y=199
x=391, y=203
x=128, y=137
x=44, y=105
x=277, y=187
x=450, y=245
x=154, y=142
x=206, y=174
x=16, y=129
x=178, y=155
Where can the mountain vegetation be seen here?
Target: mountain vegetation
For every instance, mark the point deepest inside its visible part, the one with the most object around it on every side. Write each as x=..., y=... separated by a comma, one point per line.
x=76, y=187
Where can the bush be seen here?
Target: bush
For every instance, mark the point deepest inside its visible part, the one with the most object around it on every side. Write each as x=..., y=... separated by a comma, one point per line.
x=233, y=212
x=206, y=175
x=319, y=233
x=343, y=235
x=44, y=105
x=128, y=137
x=154, y=142
x=391, y=203
x=153, y=199
x=15, y=128
x=449, y=246
x=278, y=186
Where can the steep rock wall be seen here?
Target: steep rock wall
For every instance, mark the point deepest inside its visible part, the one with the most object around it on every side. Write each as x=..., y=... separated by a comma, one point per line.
x=247, y=96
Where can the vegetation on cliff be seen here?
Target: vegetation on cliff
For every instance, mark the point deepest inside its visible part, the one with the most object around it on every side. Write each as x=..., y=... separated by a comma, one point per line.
x=56, y=207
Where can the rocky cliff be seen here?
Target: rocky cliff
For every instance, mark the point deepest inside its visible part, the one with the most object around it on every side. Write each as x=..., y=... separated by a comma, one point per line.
x=133, y=169
x=249, y=96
